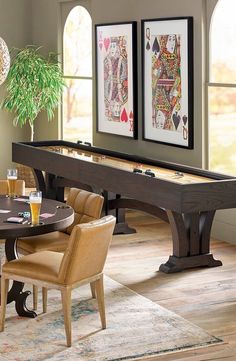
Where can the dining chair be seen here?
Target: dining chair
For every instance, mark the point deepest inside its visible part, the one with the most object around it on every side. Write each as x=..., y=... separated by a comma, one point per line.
x=20, y=191
x=87, y=207
x=82, y=262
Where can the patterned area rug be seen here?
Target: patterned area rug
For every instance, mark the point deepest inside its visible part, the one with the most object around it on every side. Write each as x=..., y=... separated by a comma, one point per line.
x=136, y=328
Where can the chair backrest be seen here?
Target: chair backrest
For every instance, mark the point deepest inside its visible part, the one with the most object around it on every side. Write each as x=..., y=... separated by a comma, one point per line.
x=87, y=250
x=87, y=206
x=20, y=187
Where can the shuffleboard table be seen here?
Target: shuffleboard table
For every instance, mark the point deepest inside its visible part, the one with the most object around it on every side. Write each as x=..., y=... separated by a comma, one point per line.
x=186, y=197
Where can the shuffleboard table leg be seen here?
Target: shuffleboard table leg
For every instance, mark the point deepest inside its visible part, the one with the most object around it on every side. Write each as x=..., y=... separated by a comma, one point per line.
x=178, y=264
x=191, y=241
x=121, y=226
x=40, y=181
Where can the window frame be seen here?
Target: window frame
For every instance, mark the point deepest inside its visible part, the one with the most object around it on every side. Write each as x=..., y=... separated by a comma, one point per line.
x=211, y=6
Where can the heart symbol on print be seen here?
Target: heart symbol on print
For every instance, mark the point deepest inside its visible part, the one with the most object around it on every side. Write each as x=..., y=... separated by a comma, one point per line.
x=176, y=120
x=106, y=43
x=124, y=116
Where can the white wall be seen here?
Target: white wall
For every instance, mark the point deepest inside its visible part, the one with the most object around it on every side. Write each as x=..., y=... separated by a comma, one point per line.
x=137, y=10
x=46, y=22
x=15, y=29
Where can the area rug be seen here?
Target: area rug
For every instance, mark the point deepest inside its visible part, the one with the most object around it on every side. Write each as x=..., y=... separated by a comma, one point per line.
x=136, y=328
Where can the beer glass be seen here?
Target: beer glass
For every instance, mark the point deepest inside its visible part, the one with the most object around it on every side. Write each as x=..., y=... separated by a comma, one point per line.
x=11, y=178
x=35, y=199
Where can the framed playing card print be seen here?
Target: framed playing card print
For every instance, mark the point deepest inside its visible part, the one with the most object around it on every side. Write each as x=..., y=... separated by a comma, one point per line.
x=116, y=78
x=168, y=81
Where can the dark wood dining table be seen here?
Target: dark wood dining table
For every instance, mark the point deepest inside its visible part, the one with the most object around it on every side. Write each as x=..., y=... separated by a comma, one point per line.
x=58, y=217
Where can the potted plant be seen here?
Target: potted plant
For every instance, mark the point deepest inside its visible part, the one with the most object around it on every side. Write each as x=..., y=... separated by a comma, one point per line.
x=34, y=83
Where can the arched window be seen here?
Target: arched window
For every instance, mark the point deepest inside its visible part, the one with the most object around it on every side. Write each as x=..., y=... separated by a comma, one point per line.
x=77, y=68
x=222, y=88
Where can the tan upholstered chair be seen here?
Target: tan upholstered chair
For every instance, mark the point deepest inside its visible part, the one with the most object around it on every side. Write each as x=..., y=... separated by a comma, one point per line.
x=82, y=262
x=20, y=191
x=87, y=207
x=20, y=187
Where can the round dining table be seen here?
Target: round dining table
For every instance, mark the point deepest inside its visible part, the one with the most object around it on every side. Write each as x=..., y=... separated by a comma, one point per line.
x=54, y=216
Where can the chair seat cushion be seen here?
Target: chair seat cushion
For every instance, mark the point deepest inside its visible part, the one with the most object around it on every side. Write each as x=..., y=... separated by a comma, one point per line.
x=42, y=266
x=54, y=241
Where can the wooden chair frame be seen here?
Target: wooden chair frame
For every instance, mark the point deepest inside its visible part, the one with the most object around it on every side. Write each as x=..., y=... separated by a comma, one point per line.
x=96, y=283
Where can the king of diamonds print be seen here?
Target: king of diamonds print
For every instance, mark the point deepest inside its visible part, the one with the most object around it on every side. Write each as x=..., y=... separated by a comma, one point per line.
x=115, y=79
x=115, y=75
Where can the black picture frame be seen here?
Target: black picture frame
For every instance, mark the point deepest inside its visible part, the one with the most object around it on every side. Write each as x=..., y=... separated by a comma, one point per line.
x=167, y=73
x=116, y=79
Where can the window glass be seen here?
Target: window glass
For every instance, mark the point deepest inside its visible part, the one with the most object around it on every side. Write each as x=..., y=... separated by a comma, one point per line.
x=77, y=110
x=222, y=89
x=222, y=130
x=222, y=43
x=77, y=44
x=77, y=67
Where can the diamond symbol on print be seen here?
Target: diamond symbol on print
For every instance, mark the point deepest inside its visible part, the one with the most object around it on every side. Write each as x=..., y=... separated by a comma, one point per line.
x=131, y=120
x=100, y=41
x=106, y=43
x=124, y=116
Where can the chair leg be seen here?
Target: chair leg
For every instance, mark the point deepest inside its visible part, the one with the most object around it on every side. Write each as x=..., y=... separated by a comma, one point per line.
x=4, y=292
x=66, y=306
x=92, y=287
x=35, y=297
x=45, y=299
x=100, y=298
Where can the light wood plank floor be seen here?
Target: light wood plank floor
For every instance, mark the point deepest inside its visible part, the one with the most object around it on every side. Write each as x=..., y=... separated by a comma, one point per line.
x=204, y=296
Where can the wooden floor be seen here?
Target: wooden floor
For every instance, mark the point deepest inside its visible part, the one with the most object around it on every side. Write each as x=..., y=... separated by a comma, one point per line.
x=204, y=296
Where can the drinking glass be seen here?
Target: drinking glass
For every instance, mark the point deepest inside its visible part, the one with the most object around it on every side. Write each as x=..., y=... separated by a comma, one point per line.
x=11, y=178
x=35, y=199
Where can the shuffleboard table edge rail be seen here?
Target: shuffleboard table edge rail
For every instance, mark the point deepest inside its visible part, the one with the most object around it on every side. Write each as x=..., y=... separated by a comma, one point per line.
x=131, y=157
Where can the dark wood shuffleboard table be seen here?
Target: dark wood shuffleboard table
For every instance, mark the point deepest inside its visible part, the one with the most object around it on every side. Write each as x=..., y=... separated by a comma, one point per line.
x=186, y=197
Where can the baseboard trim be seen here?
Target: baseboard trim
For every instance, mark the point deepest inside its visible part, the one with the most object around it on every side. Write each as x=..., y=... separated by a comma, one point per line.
x=224, y=231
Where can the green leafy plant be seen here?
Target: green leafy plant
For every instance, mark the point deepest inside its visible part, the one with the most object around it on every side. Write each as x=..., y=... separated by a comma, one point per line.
x=34, y=83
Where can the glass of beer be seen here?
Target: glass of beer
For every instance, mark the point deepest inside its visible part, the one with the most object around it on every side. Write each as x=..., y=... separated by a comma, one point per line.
x=35, y=199
x=11, y=178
